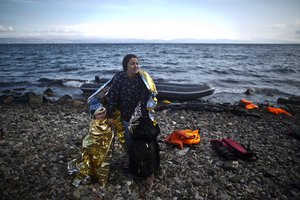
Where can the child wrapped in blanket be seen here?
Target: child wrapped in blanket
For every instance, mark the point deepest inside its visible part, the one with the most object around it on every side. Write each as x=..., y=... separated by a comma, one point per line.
x=96, y=152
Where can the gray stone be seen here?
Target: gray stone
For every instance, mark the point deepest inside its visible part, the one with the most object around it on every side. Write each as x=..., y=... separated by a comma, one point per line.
x=65, y=99
x=49, y=92
x=8, y=100
x=76, y=194
x=35, y=98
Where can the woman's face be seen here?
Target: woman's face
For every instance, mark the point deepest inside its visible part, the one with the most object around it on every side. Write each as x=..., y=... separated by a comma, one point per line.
x=133, y=66
x=100, y=115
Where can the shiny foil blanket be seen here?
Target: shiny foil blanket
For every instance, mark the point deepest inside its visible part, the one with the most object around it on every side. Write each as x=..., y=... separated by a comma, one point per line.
x=97, y=98
x=119, y=128
x=96, y=154
x=152, y=101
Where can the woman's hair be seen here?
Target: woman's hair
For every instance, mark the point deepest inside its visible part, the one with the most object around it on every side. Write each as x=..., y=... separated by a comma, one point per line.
x=126, y=60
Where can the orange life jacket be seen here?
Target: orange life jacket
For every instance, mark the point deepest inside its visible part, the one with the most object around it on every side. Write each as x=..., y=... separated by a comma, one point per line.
x=278, y=111
x=248, y=104
x=181, y=137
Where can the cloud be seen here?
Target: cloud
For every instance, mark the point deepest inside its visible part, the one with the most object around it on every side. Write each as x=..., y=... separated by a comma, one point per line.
x=297, y=23
x=278, y=26
x=51, y=31
x=23, y=1
x=60, y=29
x=54, y=31
x=6, y=29
x=164, y=29
x=228, y=1
x=289, y=31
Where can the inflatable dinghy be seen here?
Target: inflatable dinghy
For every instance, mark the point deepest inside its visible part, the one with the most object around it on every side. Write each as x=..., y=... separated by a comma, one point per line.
x=169, y=91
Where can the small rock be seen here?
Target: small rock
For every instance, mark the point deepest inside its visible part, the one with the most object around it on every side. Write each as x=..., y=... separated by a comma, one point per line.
x=249, y=190
x=213, y=192
x=270, y=173
x=34, y=98
x=78, y=103
x=250, y=91
x=64, y=99
x=235, y=179
x=8, y=100
x=182, y=152
x=197, y=182
x=228, y=165
x=49, y=92
x=76, y=194
x=117, y=187
x=223, y=196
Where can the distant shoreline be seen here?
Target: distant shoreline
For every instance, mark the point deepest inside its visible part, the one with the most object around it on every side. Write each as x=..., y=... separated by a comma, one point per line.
x=137, y=41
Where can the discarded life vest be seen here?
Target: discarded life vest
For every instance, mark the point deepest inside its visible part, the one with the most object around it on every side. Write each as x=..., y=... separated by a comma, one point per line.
x=232, y=150
x=248, y=104
x=181, y=137
x=278, y=111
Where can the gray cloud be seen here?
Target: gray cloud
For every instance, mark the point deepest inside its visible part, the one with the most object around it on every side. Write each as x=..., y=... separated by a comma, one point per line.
x=6, y=29
x=297, y=32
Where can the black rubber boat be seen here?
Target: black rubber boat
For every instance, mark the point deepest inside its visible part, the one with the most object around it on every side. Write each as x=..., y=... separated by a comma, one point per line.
x=168, y=91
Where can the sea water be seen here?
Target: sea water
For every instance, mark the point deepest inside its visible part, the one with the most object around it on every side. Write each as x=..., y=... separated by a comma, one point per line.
x=270, y=70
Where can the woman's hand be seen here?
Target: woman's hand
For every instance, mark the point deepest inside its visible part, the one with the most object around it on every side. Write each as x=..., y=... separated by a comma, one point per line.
x=111, y=122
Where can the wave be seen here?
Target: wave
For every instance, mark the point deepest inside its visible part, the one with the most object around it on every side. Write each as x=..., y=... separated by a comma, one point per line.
x=50, y=82
x=257, y=95
x=269, y=91
x=68, y=69
x=230, y=80
x=208, y=55
x=282, y=69
x=170, y=63
x=275, y=82
x=285, y=70
x=109, y=71
x=73, y=83
x=219, y=71
x=60, y=82
x=9, y=84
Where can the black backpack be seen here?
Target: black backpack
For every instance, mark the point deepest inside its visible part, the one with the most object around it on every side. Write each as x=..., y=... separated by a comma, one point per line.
x=144, y=158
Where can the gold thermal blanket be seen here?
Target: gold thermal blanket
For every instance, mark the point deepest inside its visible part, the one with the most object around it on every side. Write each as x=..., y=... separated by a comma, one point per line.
x=97, y=147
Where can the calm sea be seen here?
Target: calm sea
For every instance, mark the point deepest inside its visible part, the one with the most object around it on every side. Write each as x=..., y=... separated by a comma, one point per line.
x=271, y=70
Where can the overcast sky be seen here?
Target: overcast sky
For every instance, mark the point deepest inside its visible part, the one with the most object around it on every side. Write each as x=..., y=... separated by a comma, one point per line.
x=240, y=20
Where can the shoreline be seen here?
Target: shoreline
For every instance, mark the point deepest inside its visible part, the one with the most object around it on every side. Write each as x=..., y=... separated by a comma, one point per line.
x=38, y=139
x=54, y=89
x=51, y=95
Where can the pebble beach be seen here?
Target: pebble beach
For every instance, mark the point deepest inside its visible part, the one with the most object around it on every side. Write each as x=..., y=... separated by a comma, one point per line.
x=38, y=140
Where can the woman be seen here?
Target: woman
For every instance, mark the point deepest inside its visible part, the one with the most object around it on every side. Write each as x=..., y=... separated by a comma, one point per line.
x=129, y=88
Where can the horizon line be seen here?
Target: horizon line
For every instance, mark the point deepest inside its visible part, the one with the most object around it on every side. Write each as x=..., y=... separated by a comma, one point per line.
x=15, y=40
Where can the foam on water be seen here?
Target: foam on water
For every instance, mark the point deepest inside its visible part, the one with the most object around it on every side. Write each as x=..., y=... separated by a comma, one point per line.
x=74, y=84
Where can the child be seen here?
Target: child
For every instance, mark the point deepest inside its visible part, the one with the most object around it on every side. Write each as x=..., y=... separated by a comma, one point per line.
x=96, y=151
x=100, y=113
